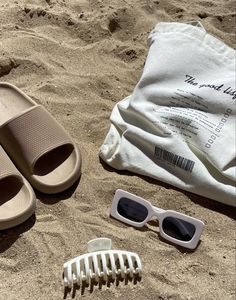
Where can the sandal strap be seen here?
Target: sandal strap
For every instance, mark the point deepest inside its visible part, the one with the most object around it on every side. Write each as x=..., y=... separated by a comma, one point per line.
x=7, y=168
x=32, y=134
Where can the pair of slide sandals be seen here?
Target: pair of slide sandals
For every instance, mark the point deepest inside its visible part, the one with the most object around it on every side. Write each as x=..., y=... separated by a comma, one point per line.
x=35, y=149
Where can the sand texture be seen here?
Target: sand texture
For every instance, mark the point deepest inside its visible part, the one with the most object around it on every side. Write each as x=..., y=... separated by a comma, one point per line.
x=78, y=58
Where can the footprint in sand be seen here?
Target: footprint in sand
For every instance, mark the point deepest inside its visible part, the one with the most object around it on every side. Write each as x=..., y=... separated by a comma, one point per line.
x=7, y=65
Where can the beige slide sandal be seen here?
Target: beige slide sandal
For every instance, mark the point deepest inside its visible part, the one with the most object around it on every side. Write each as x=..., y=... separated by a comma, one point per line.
x=17, y=199
x=38, y=145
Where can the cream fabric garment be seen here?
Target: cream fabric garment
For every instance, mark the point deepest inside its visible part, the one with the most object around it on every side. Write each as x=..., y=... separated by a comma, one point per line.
x=178, y=126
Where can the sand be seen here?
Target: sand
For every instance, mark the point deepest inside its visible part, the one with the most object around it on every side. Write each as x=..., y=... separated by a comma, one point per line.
x=78, y=58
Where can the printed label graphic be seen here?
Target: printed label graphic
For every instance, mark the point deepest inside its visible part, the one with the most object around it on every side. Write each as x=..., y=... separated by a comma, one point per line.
x=188, y=115
x=228, y=90
x=174, y=159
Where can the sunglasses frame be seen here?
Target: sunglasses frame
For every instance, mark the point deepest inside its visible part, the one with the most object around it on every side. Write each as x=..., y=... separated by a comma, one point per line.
x=157, y=213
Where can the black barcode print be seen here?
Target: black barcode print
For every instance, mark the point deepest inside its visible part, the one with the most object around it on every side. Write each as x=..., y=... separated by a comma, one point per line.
x=177, y=160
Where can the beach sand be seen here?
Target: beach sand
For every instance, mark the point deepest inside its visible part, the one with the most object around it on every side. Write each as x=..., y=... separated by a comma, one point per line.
x=78, y=58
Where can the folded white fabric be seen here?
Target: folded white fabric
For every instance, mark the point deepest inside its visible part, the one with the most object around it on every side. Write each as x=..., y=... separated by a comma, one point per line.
x=178, y=126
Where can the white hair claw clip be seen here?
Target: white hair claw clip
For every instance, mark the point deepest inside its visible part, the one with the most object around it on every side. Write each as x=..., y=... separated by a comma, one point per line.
x=101, y=263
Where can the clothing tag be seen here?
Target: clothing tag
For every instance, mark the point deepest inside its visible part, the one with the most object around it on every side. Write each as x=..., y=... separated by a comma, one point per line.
x=196, y=23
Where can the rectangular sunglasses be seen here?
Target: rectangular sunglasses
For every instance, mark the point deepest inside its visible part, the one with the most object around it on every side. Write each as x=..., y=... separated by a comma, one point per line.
x=175, y=227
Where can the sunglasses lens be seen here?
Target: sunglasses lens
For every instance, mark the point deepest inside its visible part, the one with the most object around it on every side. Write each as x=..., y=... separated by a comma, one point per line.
x=132, y=210
x=178, y=229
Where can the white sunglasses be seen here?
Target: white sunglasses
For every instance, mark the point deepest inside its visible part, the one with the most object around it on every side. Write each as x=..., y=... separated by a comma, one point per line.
x=175, y=227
